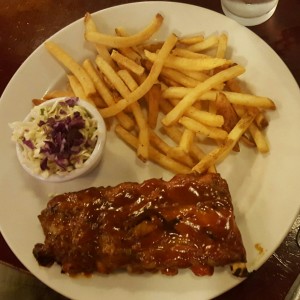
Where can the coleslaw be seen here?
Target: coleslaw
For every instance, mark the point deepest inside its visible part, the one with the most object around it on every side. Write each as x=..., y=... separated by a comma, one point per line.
x=56, y=138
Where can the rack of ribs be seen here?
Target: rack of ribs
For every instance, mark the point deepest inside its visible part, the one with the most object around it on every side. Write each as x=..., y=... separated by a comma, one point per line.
x=156, y=226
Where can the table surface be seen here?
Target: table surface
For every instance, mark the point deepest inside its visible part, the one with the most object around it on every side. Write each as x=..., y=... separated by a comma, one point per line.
x=39, y=19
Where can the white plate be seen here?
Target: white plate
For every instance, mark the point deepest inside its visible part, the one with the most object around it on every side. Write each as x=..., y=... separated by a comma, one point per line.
x=264, y=187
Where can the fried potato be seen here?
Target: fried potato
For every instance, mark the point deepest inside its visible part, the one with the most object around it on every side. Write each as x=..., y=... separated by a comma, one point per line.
x=128, y=41
x=207, y=43
x=127, y=63
x=168, y=150
x=122, y=88
x=197, y=127
x=179, y=155
x=104, y=53
x=259, y=139
x=178, y=77
x=131, y=54
x=225, y=108
x=202, y=116
x=178, y=102
x=190, y=64
x=222, y=46
x=183, y=52
x=106, y=94
x=155, y=155
x=219, y=154
x=200, y=89
x=153, y=97
x=233, y=97
x=73, y=66
x=190, y=40
x=186, y=140
x=77, y=88
x=147, y=84
x=176, y=135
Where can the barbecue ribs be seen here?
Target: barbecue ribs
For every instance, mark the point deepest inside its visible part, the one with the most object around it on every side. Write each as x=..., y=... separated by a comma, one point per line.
x=187, y=222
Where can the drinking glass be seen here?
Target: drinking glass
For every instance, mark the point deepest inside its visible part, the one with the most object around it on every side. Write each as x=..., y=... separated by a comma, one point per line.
x=249, y=12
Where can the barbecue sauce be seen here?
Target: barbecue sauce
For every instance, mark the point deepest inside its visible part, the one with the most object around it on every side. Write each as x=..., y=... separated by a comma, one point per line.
x=158, y=225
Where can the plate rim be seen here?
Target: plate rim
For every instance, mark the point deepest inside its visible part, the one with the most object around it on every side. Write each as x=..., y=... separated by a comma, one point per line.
x=133, y=4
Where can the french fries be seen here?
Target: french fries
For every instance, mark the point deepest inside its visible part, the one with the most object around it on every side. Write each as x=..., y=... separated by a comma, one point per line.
x=155, y=155
x=169, y=99
x=127, y=41
x=127, y=63
x=197, y=127
x=222, y=46
x=73, y=66
x=207, y=43
x=200, y=89
x=147, y=83
x=189, y=64
x=218, y=154
x=153, y=97
x=233, y=97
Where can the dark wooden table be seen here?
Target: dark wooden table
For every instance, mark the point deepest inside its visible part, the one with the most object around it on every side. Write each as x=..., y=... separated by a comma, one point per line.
x=26, y=24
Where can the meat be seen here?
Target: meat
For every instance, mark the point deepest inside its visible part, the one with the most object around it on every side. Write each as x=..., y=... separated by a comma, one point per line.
x=187, y=222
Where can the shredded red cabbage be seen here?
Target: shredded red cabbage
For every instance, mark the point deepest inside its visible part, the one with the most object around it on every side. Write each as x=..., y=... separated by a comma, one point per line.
x=64, y=138
x=28, y=143
x=72, y=101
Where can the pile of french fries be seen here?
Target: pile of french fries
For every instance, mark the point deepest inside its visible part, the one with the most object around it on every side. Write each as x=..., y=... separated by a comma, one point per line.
x=168, y=100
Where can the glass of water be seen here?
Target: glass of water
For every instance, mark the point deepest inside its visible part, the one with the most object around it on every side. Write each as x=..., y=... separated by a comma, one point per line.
x=249, y=12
